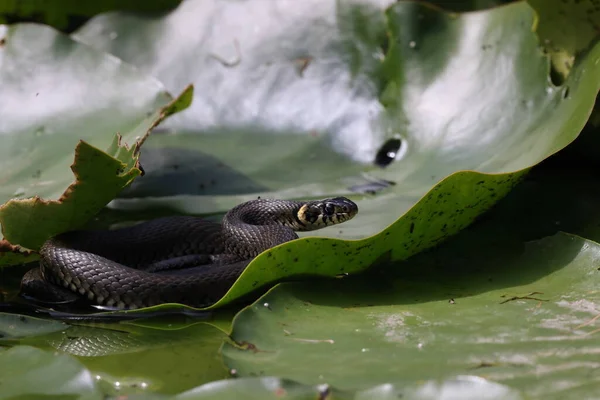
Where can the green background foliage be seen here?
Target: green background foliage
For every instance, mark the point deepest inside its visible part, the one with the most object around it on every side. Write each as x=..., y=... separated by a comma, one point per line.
x=298, y=101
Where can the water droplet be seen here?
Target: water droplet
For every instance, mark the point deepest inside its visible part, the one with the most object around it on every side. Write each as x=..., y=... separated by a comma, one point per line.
x=378, y=55
x=98, y=377
x=117, y=385
x=113, y=35
x=364, y=350
x=144, y=385
x=388, y=152
x=412, y=44
x=549, y=90
x=420, y=345
x=266, y=305
x=19, y=192
x=324, y=390
x=357, y=330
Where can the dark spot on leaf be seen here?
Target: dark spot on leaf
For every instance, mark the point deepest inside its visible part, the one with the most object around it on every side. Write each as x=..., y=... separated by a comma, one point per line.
x=2, y=42
x=566, y=92
x=23, y=319
x=296, y=259
x=387, y=152
x=412, y=227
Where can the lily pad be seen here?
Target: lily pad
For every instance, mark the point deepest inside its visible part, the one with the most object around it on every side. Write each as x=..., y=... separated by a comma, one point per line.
x=522, y=317
x=30, y=373
x=518, y=119
x=35, y=374
x=129, y=359
x=460, y=91
x=464, y=387
x=38, y=143
x=16, y=326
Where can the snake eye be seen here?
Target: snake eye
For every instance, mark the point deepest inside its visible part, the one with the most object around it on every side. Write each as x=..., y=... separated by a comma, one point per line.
x=329, y=209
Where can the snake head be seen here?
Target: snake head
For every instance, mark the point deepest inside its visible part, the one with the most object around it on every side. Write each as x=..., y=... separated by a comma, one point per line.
x=318, y=214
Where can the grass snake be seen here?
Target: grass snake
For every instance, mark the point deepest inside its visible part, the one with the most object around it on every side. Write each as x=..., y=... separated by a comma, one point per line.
x=180, y=259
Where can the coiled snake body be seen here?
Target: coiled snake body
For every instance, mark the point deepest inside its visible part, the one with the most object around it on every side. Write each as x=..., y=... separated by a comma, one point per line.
x=182, y=259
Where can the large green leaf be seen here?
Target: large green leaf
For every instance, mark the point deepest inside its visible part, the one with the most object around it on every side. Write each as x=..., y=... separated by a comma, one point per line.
x=463, y=92
x=63, y=377
x=38, y=141
x=521, y=317
x=464, y=387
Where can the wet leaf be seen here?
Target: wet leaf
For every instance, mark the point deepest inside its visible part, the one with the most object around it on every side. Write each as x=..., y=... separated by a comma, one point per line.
x=466, y=387
x=523, y=316
x=30, y=373
x=38, y=143
x=406, y=72
x=128, y=359
x=460, y=91
x=17, y=326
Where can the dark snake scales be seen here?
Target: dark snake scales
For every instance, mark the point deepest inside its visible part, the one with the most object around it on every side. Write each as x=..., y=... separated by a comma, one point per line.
x=182, y=259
